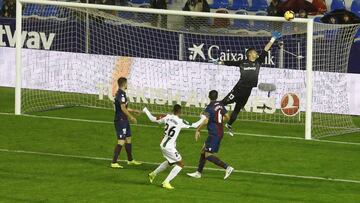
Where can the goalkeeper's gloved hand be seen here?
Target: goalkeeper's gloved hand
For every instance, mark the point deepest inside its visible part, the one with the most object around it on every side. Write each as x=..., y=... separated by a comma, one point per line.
x=274, y=36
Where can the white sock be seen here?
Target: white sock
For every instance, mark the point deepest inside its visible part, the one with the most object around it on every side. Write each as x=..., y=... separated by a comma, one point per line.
x=173, y=173
x=162, y=167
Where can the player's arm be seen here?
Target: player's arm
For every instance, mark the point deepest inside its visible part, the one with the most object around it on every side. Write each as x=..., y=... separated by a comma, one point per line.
x=135, y=111
x=151, y=117
x=275, y=35
x=127, y=113
x=198, y=129
x=186, y=124
x=199, y=122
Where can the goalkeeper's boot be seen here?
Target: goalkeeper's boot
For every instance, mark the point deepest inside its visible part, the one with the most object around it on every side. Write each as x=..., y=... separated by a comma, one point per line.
x=196, y=174
x=116, y=165
x=133, y=162
x=152, y=176
x=167, y=186
x=229, y=127
x=228, y=171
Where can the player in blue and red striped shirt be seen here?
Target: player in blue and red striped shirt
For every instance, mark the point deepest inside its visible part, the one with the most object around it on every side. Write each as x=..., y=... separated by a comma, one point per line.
x=216, y=114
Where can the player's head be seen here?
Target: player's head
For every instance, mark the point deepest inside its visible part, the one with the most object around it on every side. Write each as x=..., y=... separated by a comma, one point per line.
x=177, y=109
x=213, y=95
x=251, y=54
x=122, y=82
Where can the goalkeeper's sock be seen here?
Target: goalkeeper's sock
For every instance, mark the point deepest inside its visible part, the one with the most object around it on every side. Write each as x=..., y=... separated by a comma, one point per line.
x=128, y=149
x=173, y=173
x=161, y=167
x=117, y=151
x=217, y=161
x=202, y=162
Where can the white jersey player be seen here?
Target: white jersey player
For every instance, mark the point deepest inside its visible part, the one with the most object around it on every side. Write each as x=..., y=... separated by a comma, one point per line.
x=173, y=125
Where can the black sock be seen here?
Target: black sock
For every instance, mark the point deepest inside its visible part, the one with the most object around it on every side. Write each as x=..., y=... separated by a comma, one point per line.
x=128, y=149
x=217, y=161
x=116, y=153
x=233, y=118
x=202, y=161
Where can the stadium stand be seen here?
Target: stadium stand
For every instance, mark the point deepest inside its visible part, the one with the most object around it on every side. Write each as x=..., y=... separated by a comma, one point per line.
x=337, y=4
x=239, y=4
x=219, y=4
x=355, y=7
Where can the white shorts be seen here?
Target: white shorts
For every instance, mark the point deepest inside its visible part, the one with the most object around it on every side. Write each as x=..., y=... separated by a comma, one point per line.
x=171, y=155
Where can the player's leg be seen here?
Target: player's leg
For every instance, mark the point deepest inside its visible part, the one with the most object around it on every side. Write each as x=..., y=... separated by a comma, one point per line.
x=128, y=147
x=120, y=143
x=229, y=98
x=173, y=157
x=241, y=97
x=202, y=161
x=211, y=149
x=163, y=166
x=173, y=173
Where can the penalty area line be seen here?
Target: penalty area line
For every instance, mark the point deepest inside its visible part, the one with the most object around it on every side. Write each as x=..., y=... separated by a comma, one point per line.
x=190, y=167
x=157, y=126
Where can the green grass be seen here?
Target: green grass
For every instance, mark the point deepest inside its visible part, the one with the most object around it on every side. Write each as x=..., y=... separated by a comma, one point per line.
x=29, y=177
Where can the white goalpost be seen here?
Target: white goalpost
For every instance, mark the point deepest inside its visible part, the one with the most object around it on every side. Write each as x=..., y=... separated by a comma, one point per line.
x=93, y=45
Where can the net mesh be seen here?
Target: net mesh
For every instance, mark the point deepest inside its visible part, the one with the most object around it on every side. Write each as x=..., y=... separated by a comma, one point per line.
x=75, y=57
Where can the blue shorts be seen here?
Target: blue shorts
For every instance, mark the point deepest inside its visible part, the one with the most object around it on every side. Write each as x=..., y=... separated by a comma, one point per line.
x=212, y=144
x=122, y=129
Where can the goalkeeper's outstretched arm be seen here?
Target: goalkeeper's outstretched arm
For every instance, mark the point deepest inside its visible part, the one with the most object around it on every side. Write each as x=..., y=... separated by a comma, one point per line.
x=274, y=36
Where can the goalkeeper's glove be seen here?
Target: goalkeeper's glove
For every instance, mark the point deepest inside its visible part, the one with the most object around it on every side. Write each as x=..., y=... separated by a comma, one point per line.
x=275, y=36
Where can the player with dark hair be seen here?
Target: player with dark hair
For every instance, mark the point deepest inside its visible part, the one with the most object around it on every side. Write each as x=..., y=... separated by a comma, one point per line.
x=173, y=125
x=249, y=74
x=122, y=125
x=215, y=114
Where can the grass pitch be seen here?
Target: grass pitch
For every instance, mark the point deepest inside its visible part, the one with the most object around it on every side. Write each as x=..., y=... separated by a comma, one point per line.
x=47, y=159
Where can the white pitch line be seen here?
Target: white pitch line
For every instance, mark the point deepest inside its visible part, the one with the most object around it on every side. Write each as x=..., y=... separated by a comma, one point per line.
x=156, y=126
x=191, y=167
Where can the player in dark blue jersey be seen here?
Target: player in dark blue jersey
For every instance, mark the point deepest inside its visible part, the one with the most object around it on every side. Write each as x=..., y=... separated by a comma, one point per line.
x=122, y=125
x=216, y=114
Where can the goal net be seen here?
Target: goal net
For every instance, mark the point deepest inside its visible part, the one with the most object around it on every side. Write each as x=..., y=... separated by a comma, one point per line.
x=73, y=58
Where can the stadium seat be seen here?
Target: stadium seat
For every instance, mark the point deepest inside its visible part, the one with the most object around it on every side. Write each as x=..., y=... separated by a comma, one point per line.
x=50, y=11
x=317, y=19
x=137, y=1
x=355, y=7
x=32, y=9
x=219, y=4
x=221, y=22
x=239, y=4
x=259, y=5
x=357, y=36
x=260, y=25
x=337, y=4
x=238, y=24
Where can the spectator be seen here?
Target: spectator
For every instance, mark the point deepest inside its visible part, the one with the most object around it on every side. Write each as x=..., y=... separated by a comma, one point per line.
x=302, y=14
x=333, y=20
x=320, y=5
x=272, y=9
x=8, y=9
x=198, y=6
x=159, y=4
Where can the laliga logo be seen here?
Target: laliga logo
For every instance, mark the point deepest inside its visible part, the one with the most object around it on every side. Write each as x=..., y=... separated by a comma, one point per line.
x=290, y=104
